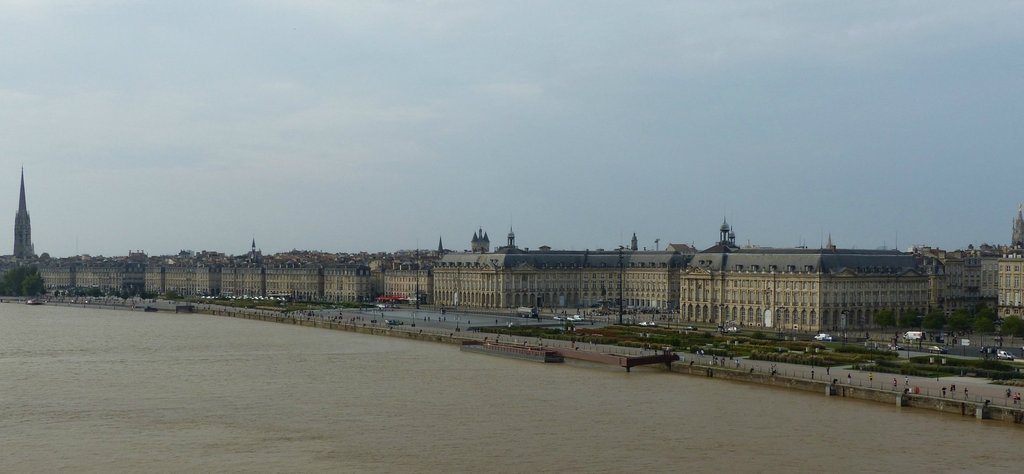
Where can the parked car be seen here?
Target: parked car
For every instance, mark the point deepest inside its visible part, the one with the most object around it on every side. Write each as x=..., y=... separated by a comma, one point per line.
x=937, y=350
x=824, y=337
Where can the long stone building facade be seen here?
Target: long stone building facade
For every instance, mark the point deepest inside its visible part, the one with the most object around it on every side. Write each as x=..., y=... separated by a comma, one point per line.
x=511, y=277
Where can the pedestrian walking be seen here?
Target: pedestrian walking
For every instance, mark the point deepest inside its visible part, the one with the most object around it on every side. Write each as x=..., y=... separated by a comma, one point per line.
x=894, y=383
x=849, y=379
x=943, y=391
x=965, y=393
x=906, y=381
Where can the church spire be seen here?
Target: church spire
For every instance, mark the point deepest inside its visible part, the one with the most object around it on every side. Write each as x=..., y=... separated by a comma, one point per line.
x=23, y=226
x=1017, y=241
x=21, y=199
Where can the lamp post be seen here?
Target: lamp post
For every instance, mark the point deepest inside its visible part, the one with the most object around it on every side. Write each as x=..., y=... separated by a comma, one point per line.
x=416, y=274
x=621, y=272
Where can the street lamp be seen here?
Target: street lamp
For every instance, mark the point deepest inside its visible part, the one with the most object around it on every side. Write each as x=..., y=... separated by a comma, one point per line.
x=621, y=272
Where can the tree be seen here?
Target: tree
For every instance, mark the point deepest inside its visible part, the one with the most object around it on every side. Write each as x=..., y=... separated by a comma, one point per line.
x=909, y=320
x=885, y=318
x=984, y=325
x=960, y=320
x=33, y=285
x=1012, y=326
x=22, y=281
x=986, y=313
x=934, y=321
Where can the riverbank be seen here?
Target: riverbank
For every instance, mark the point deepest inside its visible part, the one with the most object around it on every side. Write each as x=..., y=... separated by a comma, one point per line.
x=912, y=393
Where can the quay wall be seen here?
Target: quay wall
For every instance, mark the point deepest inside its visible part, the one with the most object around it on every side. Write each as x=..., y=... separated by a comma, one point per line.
x=361, y=328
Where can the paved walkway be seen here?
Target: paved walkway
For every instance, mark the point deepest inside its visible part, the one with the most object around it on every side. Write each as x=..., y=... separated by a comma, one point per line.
x=966, y=388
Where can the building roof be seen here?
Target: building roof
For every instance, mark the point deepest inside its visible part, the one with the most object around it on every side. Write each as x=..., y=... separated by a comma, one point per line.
x=513, y=257
x=830, y=261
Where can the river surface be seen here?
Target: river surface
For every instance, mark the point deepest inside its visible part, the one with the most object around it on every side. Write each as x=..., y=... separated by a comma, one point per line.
x=92, y=390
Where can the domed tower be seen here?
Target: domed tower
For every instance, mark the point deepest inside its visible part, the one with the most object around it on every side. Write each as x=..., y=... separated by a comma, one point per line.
x=726, y=236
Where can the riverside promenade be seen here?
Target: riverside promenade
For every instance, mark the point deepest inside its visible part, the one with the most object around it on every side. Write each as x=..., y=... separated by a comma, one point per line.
x=972, y=396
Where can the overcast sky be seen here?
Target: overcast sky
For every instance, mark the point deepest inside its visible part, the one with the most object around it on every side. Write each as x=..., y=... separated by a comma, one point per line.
x=378, y=126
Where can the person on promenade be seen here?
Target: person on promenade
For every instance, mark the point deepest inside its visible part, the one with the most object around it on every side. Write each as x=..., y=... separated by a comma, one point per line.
x=943, y=391
x=965, y=393
x=849, y=379
x=894, y=383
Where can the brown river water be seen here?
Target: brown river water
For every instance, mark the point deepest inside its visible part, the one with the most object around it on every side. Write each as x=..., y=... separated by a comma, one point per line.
x=91, y=390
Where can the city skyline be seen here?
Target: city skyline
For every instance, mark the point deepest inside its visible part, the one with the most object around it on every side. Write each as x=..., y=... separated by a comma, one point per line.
x=339, y=128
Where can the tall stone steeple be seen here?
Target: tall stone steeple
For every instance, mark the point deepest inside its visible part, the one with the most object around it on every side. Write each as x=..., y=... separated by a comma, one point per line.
x=23, y=227
x=633, y=243
x=1018, y=229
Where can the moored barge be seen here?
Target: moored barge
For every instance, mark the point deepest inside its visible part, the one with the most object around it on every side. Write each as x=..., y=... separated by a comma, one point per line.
x=514, y=351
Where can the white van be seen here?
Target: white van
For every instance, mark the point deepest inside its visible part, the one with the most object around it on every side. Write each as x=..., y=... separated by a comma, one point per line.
x=910, y=336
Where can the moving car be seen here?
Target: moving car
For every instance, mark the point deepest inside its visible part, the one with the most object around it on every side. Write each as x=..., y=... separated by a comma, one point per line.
x=1004, y=355
x=575, y=317
x=937, y=350
x=824, y=337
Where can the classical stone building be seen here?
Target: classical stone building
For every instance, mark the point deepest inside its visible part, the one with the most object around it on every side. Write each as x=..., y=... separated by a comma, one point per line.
x=243, y=281
x=512, y=277
x=799, y=289
x=295, y=281
x=408, y=280
x=347, y=283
